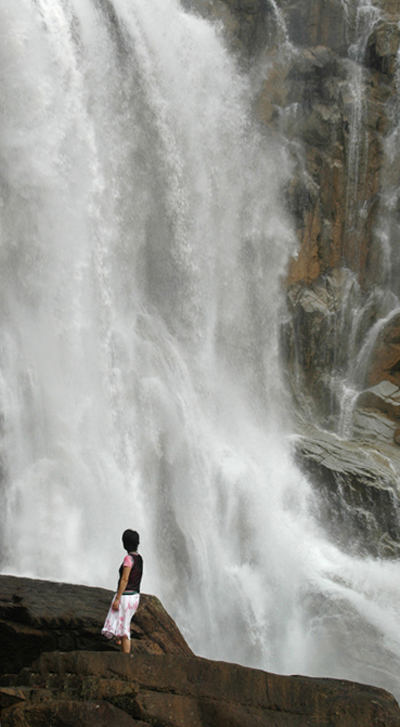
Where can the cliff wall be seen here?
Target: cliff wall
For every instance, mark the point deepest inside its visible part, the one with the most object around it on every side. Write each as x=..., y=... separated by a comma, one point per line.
x=329, y=91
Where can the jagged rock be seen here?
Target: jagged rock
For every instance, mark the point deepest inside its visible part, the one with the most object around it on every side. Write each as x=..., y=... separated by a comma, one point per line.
x=369, y=425
x=357, y=490
x=384, y=362
x=376, y=414
x=382, y=48
x=384, y=398
x=186, y=690
x=37, y=616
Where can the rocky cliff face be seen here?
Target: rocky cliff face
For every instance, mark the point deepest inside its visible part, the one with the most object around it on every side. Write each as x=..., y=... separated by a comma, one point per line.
x=161, y=683
x=340, y=338
x=330, y=92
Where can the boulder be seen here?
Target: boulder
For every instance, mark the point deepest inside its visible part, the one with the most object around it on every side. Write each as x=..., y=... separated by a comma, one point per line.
x=37, y=616
x=172, y=690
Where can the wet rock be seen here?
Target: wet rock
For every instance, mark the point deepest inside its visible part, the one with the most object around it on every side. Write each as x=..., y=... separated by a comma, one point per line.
x=384, y=362
x=370, y=425
x=382, y=48
x=320, y=314
x=376, y=414
x=384, y=397
x=357, y=490
x=312, y=23
x=333, y=96
x=247, y=24
x=37, y=616
x=185, y=690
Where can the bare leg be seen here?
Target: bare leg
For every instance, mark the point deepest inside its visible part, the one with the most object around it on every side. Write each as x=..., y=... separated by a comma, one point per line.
x=126, y=645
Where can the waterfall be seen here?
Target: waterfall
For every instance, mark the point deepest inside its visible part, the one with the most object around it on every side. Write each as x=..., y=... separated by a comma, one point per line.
x=143, y=244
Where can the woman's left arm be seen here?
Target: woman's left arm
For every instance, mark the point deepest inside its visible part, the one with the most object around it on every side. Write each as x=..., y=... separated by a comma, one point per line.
x=122, y=585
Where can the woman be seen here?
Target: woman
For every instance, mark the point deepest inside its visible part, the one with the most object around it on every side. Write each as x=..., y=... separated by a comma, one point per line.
x=124, y=605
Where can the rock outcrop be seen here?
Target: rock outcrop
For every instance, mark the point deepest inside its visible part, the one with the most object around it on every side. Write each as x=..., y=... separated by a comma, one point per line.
x=184, y=690
x=38, y=616
x=341, y=84
x=161, y=683
x=356, y=499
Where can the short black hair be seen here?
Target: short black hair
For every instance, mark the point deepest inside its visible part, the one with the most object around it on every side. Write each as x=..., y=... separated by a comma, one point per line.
x=130, y=539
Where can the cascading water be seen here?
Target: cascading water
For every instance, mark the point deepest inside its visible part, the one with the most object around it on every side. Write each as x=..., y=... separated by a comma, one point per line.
x=367, y=16
x=381, y=303
x=142, y=247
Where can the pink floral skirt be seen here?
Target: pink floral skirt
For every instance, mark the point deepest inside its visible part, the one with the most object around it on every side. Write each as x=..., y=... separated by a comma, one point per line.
x=118, y=623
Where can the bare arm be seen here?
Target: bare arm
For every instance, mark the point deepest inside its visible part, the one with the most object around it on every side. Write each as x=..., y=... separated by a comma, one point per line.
x=122, y=585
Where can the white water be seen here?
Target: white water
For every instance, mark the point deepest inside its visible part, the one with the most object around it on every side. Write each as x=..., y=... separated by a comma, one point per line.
x=142, y=243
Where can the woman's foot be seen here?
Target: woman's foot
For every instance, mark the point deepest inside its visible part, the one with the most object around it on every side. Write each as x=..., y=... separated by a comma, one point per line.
x=126, y=645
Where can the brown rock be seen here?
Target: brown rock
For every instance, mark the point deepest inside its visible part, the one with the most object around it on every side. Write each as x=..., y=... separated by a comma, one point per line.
x=82, y=688
x=306, y=266
x=67, y=714
x=384, y=361
x=383, y=398
x=187, y=690
x=311, y=22
x=38, y=616
x=382, y=48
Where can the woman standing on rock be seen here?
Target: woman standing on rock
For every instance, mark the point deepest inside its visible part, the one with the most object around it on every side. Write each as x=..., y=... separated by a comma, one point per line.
x=124, y=605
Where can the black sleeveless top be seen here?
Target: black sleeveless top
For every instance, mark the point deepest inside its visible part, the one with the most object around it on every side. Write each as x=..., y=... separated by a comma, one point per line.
x=135, y=576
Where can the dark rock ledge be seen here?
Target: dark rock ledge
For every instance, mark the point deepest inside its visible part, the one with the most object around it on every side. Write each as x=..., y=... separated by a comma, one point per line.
x=161, y=683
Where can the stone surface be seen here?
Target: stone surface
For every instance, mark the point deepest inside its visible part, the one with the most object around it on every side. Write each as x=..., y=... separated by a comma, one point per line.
x=168, y=687
x=357, y=490
x=384, y=397
x=317, y=312
x=246, y=23
x=186, y=690
x=67, y=713
x=312, y=23
x=37, y=616
x=384, y=363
